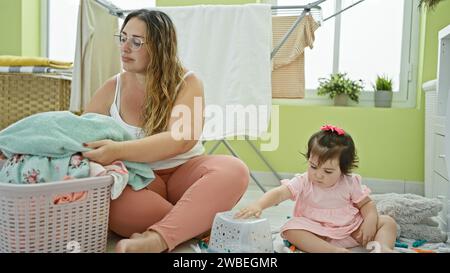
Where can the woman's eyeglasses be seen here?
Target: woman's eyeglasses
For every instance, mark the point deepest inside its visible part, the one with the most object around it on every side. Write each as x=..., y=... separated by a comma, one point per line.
x=135, y=42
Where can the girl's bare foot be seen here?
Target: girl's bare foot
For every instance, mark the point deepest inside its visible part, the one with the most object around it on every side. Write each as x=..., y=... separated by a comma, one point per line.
x=341, y=250
x=147, y=242
x=385, y=249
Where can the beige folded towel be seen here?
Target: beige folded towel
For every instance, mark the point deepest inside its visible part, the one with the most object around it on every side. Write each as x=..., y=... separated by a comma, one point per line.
x=8, y=60
x=288, y=75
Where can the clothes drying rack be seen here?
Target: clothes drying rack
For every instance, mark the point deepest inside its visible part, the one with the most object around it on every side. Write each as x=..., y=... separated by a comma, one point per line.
x=311, y=8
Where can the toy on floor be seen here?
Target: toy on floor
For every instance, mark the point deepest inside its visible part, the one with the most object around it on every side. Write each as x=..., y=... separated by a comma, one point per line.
x=400, y=244
x=404, y=245
x=419, y=250
x=203, y=243
x=201, y=246
x=418, y=243
x=290, y=246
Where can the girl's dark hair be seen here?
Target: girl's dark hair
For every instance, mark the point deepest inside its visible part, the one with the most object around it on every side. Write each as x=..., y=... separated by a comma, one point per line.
x=330, y=145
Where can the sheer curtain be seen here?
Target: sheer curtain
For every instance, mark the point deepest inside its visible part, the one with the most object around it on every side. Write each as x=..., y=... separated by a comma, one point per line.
x=62, y=25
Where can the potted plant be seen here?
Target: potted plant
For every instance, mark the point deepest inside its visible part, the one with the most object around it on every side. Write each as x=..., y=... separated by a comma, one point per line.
x=383, y=91
x=429, y=4
x=340, y=88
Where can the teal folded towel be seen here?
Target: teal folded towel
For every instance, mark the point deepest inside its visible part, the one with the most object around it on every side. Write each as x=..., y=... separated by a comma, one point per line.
x=61, y=134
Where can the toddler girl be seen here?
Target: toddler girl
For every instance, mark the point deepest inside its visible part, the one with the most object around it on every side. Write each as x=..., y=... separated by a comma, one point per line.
x=332, y=209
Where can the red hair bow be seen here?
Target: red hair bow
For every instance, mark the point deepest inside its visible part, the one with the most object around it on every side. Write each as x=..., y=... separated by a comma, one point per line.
x=333, y=128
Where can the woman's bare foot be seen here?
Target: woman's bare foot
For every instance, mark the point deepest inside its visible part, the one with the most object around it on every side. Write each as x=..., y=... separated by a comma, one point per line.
x=146, y=242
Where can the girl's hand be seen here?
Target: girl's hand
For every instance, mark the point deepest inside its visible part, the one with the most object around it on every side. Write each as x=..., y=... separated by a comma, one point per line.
x=367, y=231
x=252, y=210
x=2, y=157
x=104, y=151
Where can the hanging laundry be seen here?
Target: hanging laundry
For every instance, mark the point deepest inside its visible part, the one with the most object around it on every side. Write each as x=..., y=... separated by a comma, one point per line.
x=288, y=75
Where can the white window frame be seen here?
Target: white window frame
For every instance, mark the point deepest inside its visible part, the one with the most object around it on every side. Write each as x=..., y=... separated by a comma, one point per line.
x=405, y=98
x=407, y=95
x=44, y=28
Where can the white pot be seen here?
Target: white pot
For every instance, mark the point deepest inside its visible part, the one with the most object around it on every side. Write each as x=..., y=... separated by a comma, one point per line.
x=341, y=100
x=383, y=98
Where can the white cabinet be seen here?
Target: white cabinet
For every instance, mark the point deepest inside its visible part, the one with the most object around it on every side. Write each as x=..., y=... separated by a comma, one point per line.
x=437, y=136
x=437, y=183
x=443, y=70
x=434, y=139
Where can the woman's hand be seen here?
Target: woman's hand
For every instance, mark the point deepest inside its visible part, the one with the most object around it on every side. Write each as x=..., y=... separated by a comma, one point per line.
x=104, y=151
x=368, y=230
x=252, y=210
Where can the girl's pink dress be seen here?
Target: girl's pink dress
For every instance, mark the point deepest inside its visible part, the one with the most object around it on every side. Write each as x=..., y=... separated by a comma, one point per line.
x=329, y=212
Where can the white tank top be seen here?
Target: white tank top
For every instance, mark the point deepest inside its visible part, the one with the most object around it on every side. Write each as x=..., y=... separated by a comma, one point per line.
x=137, y=132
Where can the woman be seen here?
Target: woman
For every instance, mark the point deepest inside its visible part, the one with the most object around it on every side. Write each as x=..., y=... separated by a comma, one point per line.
x=189, y=188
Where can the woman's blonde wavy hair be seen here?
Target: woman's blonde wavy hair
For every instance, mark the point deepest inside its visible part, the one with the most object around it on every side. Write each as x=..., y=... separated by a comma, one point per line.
x=164, y=70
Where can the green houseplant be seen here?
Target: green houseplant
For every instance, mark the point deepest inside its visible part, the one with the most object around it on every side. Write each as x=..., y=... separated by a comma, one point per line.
x=339, y=87
x=383, y=91
x=429, y=4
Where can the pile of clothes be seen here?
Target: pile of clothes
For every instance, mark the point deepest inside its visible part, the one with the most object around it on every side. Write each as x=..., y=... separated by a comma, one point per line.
x=46, y=147
x=416, y=216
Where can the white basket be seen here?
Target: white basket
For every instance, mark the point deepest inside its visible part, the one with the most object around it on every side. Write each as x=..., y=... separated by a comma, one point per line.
x=31, y=222
x=229, y=235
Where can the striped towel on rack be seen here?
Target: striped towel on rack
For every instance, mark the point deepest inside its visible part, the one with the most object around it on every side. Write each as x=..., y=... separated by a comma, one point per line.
x=33, y=69
x=288, y=75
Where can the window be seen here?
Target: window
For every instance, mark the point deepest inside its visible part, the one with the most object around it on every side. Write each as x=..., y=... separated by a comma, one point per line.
x=62, y=16
x=371, y=38
x=62, y=29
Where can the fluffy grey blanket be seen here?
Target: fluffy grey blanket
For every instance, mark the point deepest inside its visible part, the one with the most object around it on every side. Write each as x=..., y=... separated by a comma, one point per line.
x=414, y=215
x=423, y=232
x=407, y=208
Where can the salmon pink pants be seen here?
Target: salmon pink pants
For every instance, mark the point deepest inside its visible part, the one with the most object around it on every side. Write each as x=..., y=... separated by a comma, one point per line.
x=181, y=202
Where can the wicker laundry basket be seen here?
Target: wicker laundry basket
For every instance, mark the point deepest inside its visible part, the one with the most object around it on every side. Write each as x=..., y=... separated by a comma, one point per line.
x=24, y=94
x=30, y=221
